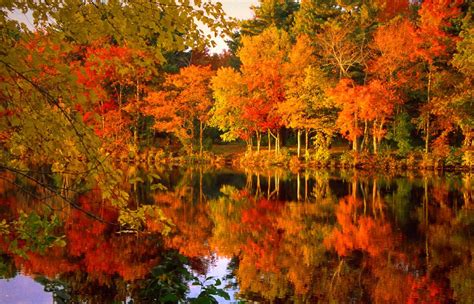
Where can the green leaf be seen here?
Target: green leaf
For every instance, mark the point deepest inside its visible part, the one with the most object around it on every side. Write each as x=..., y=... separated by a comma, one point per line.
x=135, y=180
x=158, y=186
x=223, y=294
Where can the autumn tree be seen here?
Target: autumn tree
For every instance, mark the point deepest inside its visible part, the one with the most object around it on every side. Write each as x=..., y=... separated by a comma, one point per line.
x=262, y=59
x=372, y=103
x=378, y=107
x=322, y=110
x=293, y=110
x=394, y=62
x=256, y=90
x=434, y=44
x=450, y=94
x=338, y=48
x=47, y=101
x=266, y=14
x=229, y=93
x=388, y=9
x=461, y=100
x=116, y=78
x=345, y=95
x=186, y=98
x=394, y=51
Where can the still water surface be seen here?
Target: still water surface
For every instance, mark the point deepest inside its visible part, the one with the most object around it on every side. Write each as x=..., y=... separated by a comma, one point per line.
x=273, y=236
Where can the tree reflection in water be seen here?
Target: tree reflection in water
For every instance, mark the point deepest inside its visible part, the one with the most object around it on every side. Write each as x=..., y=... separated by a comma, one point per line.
x=306, y=237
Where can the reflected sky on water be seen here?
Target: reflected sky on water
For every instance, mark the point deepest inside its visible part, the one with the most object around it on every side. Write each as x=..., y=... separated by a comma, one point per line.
x=312, y=236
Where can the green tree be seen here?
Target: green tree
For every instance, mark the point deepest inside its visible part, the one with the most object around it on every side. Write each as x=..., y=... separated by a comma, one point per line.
x=277, y=13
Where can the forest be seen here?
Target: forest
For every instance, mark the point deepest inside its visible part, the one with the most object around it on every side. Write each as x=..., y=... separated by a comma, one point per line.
x=333, y=136
x=353, y=81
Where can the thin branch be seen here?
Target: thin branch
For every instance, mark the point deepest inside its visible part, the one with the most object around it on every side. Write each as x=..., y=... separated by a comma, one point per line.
x=56, y=193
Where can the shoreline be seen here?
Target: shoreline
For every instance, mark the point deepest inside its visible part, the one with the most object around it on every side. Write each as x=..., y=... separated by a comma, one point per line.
x=265, y=159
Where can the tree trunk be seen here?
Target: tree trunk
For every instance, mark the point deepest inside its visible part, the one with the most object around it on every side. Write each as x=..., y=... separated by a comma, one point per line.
x=276, y=144
x=278, y=141
x=467, y=133
x=277, y=186
x=298, y=187
x=201, y=195
x=269, y=186
x=269, y=141
x=354, y=188
x=305, y=186
x=200, y=138
x=135, y=134
x=427, y=133
x=306, y=143
x=374, y=135
x=299, y=143
x=120, y=106
x=249, y=183
x=259, y=137
x=354, y=141
x=191, y=141
x=426, y=221
x=374, y=188
x=365, y=140
x=379, y=135
x=258, y=190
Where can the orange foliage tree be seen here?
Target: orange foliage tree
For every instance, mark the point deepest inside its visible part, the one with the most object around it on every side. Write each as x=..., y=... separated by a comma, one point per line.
x=258, y=91
x=185, y=99
x=434, y=44
x=115, y=80
x=372, y=103
x=388, y=9
x=394, y=49
x=263, y=58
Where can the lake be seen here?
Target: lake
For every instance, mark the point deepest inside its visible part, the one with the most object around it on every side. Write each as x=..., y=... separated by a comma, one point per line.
x=265, y=236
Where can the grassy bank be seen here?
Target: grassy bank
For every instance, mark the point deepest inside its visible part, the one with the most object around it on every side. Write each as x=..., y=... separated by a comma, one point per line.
x=343, y=158
x=237, y=156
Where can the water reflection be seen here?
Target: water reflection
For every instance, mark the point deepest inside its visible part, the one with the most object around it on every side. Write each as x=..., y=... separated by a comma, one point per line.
x=13, y=291
x=313, y=236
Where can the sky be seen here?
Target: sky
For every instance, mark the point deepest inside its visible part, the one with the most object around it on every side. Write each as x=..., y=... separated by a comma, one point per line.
x=238, y=8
